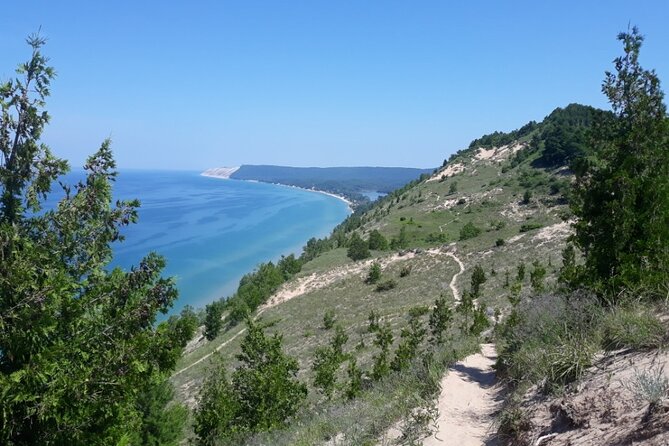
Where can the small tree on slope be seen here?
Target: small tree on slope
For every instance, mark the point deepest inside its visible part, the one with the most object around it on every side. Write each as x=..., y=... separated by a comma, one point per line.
x=622, y=198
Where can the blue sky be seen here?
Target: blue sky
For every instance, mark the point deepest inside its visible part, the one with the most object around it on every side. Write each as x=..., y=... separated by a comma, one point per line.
x=191, y=85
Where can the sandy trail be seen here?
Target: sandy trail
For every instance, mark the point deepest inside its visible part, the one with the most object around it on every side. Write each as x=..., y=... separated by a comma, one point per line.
x=454, y=289
x=467, y=402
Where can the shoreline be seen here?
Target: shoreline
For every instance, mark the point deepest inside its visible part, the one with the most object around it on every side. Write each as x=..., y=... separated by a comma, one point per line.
x=349, y=204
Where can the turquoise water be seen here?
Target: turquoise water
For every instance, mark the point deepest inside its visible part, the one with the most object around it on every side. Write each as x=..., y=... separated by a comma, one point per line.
x=213, y=231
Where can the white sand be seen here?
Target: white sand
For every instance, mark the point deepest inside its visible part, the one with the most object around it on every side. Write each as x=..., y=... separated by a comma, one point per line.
x=467, y=402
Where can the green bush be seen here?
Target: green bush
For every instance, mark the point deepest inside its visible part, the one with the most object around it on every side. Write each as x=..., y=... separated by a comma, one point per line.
x=329, y=319
x=530, y=227
x=386, y=285
x=469, y=231
x=374, y=274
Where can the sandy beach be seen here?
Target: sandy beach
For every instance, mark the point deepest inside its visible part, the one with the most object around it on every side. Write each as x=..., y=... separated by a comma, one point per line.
x=225, y=175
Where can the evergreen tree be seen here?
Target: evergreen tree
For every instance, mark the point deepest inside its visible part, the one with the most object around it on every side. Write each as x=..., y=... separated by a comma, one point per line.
x=78, y=340
x=327, y=361
x=440, y=320
x=621, y=199
x=412, y=337
x=162, y=419
x=213, y=321
x=354, y=387
x=217, y=409
x=265, y=384
x=377, y=241
x=357, y=248
x=374, y=274
x=478, y=279
x=537, y=276
x=384, y=339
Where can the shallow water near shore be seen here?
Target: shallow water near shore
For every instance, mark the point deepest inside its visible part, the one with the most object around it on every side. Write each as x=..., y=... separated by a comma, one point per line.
x=213, y=231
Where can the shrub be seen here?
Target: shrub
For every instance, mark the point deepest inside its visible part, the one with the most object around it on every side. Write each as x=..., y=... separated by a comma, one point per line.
x=530, y=227
x=329, y=319
x=357, y=248
x=213, y=322
x=405, y=271
x=377, y=241
x=468, y=231
x=386, y=285
x=650, y=385
x=500, y=242
x=374, y=274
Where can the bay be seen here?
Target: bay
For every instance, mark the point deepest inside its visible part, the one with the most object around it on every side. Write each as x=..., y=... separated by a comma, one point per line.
x=213, y=231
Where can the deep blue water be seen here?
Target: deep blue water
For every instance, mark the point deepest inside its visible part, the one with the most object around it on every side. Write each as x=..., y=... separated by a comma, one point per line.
x=213, y=231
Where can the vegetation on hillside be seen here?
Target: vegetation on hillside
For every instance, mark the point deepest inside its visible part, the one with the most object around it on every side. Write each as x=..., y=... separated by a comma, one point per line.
x=82, y=361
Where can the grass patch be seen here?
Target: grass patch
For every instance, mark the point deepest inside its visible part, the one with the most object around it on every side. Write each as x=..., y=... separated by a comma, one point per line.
x=632, y=327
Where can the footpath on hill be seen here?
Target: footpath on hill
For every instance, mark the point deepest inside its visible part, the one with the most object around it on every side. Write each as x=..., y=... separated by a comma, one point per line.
x=468, y=401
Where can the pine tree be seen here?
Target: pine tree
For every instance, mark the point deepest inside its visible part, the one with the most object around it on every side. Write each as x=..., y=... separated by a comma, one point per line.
x=357, y=248
x=621, y=198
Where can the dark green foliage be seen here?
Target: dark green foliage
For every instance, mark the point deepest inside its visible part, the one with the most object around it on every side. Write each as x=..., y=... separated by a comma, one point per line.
x=440, y=320
x=377, y=241
x=256, y=287
x=465, y=307
x=453, y=188
x=289, y=266
x=265, y=383
x=565, y=134
x=354, y=387
x=520, y=275
x=418, y=311
x=622, y=198
x=383, y=340
x=374, y=274
x=215, y=416
x=262, y=395
x=329, y=319
x=401, y=241
x=477, y=281
x=412, y=338
x=469, y=231
x=497, y=139
x=480, y=322
x=162, y=420
x=527, y=196
x=526, y=227
x=327, y=362
x=537, y=276
x=213, y=322
x=78, y=339
x=357, y=248
x=386, y=285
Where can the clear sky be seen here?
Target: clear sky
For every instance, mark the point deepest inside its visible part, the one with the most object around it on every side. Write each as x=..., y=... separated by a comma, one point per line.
x=197, y=84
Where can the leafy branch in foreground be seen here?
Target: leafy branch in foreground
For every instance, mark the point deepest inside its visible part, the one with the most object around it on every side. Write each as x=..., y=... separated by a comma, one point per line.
x=78, y=343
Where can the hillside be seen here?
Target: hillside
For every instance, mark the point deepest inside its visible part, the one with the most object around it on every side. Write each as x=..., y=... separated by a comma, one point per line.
x=501, y=208
x=350, y=182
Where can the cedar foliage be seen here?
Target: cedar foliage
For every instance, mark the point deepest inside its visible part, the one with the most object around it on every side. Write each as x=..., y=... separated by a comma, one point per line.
x=621, y=198
x=78, y=342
